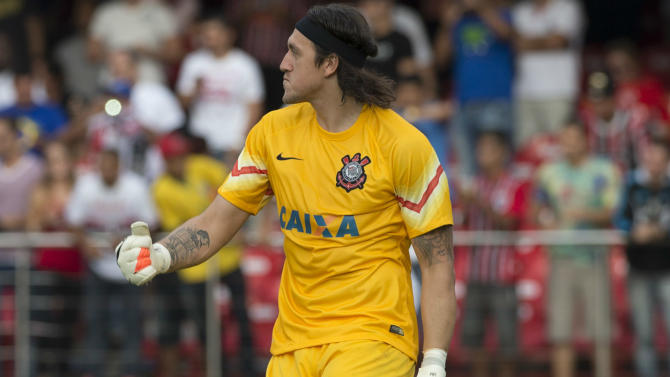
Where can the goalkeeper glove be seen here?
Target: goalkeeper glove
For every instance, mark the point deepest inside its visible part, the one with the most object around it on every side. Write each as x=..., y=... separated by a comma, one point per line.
x=433, y=363
x=139, y=259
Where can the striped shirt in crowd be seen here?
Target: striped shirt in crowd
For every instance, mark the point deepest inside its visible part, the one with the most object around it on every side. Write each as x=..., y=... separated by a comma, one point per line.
x=505, y=196
x=622, y=138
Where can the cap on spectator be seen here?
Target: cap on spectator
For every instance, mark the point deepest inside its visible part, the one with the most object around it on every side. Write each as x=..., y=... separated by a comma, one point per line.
x=173, y=145
x=600, y=85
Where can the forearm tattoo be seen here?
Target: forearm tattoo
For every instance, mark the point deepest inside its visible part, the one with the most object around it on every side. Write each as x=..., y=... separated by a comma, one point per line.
x=184, y=244
x=436, y=245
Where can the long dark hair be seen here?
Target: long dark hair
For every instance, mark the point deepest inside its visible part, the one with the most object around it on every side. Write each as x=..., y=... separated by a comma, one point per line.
x=348, y=25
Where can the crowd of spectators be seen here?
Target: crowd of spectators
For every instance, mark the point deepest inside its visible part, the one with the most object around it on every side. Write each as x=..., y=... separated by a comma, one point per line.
x=119, y=110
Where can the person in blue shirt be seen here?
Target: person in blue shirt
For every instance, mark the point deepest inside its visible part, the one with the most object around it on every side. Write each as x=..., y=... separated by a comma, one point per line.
x=38, y=122
x=644, y=216
x=477, y=36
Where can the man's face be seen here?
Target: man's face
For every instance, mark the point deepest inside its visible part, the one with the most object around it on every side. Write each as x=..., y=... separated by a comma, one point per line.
x=58, y=160
x=176, y=165
x=490, y=153
x=121, y=65
x=573, y=143
x=215, y=35
x=109, y=168
x=302, y=78
x=604, y=107
x=655, y=160
x=622, y=66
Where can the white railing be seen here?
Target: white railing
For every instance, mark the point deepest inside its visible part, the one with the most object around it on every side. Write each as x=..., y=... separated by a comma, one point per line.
x=23, y=242
x=461, y=238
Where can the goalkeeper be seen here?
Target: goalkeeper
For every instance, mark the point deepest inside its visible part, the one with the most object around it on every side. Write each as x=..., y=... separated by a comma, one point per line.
x=354, y=184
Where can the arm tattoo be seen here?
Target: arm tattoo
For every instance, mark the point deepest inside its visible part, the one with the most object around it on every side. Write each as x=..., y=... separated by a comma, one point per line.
x=184, y=242
x=435, y=245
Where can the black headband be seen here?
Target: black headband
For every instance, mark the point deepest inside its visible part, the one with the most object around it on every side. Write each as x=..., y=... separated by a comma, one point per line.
x=319, y=35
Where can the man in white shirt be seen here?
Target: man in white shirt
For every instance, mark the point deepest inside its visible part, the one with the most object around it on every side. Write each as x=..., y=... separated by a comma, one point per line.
x=223, y=86
x=547, y=81
x=148, y=28
x=104, y=201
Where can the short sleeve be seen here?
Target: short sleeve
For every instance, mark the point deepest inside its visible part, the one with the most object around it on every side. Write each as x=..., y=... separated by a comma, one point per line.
x=188, y=76
x=254, y=91
x=421, y=186
x=99, y=23
x=166, y=25
x=247, y=186
x=409, y=22
x=520, y=12
x=568, y=19
x=75, y=210
x=156, y=108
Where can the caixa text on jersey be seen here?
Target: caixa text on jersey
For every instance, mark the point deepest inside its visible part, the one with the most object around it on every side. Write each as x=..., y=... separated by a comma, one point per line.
x=316, y=224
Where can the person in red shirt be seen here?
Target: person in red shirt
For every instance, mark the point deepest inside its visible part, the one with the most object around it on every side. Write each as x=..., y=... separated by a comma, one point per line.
x=633, y=85
x=614, y=131
x=495, y=201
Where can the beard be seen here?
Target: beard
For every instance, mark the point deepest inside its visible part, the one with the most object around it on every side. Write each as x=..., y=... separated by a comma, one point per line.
x=290, y=96
x=307, y=92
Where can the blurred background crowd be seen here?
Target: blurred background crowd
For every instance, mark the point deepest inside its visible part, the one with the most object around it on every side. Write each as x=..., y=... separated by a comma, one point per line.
x=546, y=114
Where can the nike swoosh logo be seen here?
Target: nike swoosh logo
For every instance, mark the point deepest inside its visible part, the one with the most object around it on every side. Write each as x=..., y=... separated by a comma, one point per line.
x=282, y=158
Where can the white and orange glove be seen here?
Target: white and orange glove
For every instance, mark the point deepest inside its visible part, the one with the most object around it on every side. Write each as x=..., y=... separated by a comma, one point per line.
x=433, y=363
x=139, y=259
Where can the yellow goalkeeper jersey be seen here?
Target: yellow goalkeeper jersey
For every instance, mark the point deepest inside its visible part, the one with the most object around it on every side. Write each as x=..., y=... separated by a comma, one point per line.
x=348, y=204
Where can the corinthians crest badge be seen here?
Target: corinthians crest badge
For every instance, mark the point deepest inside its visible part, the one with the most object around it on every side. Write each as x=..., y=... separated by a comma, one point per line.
x=352, y=175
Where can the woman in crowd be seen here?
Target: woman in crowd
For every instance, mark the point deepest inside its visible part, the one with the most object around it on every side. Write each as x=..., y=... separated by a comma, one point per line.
x=55, y=280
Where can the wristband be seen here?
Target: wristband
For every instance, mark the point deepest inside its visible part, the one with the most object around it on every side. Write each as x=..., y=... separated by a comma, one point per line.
x=434, y=356
x=160, y=258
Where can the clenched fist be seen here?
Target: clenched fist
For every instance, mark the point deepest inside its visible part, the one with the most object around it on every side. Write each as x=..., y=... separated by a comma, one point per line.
x=138, y=258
